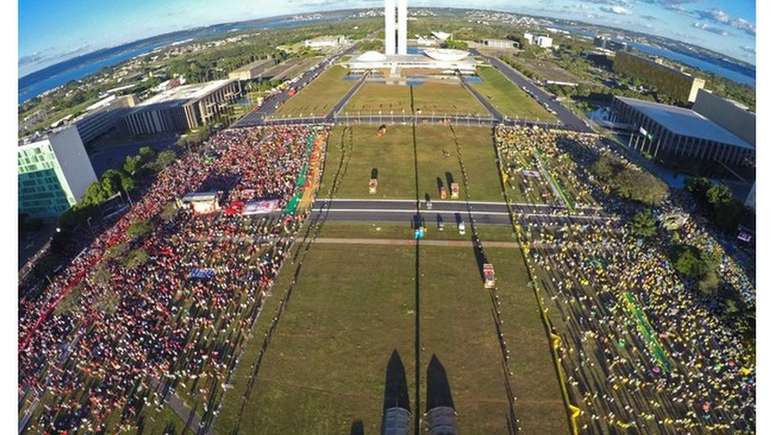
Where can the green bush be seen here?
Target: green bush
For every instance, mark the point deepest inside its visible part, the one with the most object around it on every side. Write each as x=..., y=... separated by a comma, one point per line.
x=136, y=258
x=139, y=229
x=628, y=182
x=643, y=224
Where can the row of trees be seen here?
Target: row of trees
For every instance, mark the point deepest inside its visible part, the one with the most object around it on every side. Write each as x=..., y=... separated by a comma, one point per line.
x=717, y=202
x=629, y=182
x=122, y=181
x=700, y=266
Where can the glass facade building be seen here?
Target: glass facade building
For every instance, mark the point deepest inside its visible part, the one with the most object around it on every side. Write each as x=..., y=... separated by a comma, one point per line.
x=53, y=174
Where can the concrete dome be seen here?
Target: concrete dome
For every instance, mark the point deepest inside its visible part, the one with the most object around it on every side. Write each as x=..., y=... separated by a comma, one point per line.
x=447, y=54
x=371, y=56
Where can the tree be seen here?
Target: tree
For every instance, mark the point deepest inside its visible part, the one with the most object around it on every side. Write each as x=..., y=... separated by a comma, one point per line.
x=689, y=262
x=453, y=43
x=644, y=224
x=138, y=229
x=165, y=158
x=605, y=167
x=719, y=194
x=640, y=186
x=147, y=154
x=132, y=164
x=698, y=186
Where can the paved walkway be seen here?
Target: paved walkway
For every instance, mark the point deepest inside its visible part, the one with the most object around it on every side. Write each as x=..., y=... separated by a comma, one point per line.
x=482, y=100
x=406, y=242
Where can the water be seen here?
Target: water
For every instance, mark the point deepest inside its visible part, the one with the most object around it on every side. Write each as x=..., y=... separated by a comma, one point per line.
x=695, y=62
x=745, y=78
x=475, y=80
x=36, y=88
x=31, y=86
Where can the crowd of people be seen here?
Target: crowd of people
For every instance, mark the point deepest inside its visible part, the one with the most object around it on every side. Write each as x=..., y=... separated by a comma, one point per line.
x=131, y=332
x=537, y=171
x=642, y=347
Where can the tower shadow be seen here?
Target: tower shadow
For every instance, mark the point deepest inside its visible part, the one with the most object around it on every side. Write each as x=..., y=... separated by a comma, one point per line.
x=357, y=428
x=395, y=386
x=440, y=414
x=396, y=415
x=438, y=389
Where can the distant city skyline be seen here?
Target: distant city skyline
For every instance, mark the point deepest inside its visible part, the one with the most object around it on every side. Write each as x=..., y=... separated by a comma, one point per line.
x=54, y=31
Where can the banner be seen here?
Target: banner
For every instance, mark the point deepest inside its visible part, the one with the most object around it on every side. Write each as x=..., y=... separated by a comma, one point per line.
x=261, y=207
x=197, y=273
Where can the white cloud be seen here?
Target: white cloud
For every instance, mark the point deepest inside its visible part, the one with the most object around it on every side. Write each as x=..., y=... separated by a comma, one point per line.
x=712, y=29
x=618, y=10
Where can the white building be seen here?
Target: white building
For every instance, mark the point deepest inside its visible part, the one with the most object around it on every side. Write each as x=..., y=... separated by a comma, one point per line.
x=441, y=36
x=103, y=115
x=529, y=38
x=426, y=42
x=325, y=42
x=54, y=172
x=395, y=27
x=396, y=55
x=544, y=41
x=499, y=43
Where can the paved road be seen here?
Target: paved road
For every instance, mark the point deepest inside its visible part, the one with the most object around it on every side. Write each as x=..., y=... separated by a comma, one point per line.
x=345, y=99
x=484, y=102
x=569, y=119
x=449, y=212
x=270, y=104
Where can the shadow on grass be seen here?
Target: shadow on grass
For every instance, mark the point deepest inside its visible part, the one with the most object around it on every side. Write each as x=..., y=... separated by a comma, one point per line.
x=438, y=389
x=395, y=386
x=478, y=252
x=357, y=428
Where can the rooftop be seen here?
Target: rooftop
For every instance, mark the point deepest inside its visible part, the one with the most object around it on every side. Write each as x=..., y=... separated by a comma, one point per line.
x=183, y=94
x=685, y=122
x=253, y=65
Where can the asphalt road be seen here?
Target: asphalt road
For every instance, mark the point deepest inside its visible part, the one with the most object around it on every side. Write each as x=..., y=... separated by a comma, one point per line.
x=569, y=119
x=270, y=103
x=449, y=212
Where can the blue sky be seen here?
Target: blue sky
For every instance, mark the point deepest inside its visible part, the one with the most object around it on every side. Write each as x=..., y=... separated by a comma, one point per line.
x=54, y=30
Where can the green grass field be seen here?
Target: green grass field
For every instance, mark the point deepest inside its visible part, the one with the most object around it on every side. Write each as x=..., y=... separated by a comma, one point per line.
x=446, y=98
x=508, y=98
x=325, y=366
x=375, y=97
x=391, y=230
x=430, y=97
x=318, y=97
x=393, y=157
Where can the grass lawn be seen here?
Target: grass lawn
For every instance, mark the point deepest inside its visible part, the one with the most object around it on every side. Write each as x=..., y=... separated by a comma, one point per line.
x=393, y=158
x=429, y=97
x=325, y=367
x=446, y=98
x=375, y=97
x=509, y=98
x=391, y=230
x=457, y=326
x=319, y=97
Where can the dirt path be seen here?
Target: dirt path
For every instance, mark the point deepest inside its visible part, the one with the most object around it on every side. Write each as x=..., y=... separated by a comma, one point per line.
x=408, y=242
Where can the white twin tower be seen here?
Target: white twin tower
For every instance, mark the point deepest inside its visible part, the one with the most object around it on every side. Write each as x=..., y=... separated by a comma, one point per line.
x=395, y=15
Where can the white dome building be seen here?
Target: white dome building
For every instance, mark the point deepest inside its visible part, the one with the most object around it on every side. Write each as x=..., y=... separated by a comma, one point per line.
x=446, y=54
x=371, y=56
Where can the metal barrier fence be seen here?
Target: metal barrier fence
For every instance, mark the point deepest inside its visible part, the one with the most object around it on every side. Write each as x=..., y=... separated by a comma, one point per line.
x=390, y=119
